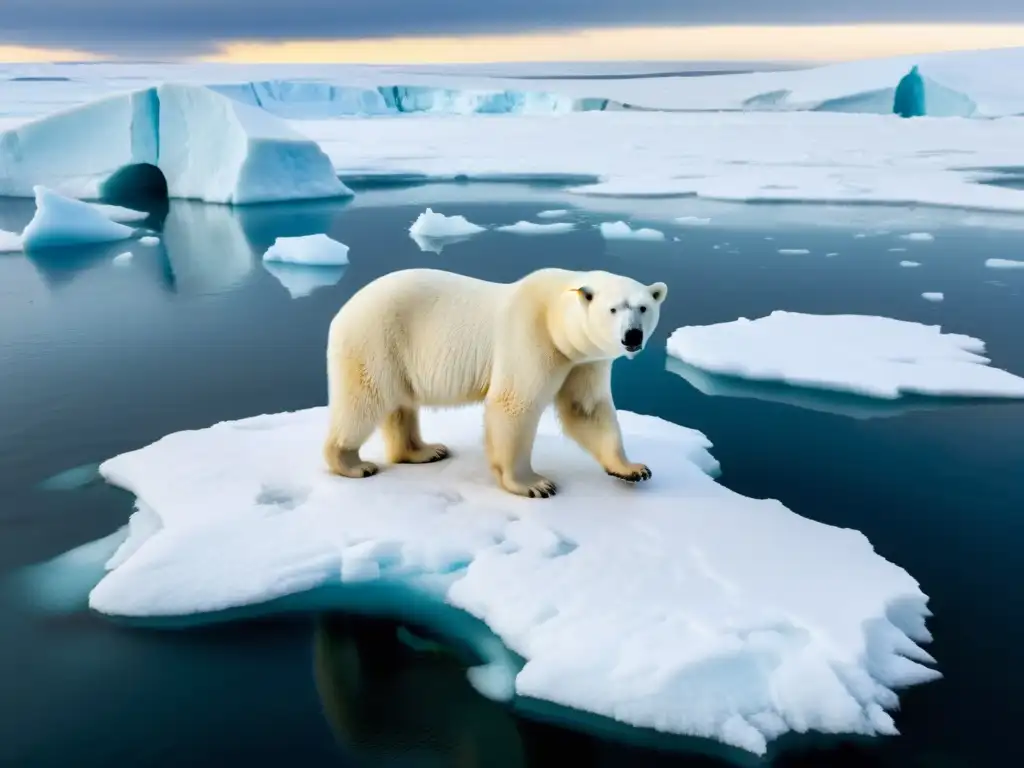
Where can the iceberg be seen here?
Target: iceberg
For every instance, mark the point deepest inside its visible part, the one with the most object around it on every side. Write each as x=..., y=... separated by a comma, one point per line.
x=861, y=354
x=297, y=99
x=620, y=230
x=933, y=296
x=310, y=250
x=908, y=101
x=676, y=616
x=910, y=263
x=432, y=225
x=180, y=141
x=149, y=240
x=123, y=258
x=62, y=221
x=533, y=228
x=553, y=213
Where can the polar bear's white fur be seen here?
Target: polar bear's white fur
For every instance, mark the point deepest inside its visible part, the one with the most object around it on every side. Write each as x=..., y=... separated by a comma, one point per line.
x=425, y=337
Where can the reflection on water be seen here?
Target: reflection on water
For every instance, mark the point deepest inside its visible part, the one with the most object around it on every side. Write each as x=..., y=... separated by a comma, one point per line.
x=823, y=400
x=407, y=703
x=301, y=280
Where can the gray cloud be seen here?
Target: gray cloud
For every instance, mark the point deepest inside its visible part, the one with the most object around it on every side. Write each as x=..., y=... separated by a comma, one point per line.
x=168, y=27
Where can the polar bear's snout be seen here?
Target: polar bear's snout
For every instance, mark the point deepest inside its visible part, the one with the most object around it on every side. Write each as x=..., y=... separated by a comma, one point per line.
x=633, y=339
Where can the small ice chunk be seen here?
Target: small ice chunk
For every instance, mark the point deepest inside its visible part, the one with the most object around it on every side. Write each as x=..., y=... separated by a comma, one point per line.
x=309, y=250
x=910, y=263
x=918, y=237
x=793, y=251
x=118, y=213
x=436, y=225
x=933, y=296
x=554, y=213
x=62, y=221
x=620, y=230
x=897, y=250
x=693, y=221
x=862, y=354
x=998, y=264
x=834, y=253
x=10, y=242
x=149, y=240
x=533, y=228
x=123, y=258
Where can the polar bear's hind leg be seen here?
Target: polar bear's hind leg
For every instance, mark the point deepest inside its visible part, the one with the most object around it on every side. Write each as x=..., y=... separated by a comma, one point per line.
x=403, y=442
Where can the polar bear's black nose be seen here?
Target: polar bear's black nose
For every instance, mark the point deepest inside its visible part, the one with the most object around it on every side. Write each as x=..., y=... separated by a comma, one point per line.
x=633, y=339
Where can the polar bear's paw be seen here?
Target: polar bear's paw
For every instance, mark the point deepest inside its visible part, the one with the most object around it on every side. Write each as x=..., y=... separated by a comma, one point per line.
x=425, y=454
x=533, y=486
x=632, y=473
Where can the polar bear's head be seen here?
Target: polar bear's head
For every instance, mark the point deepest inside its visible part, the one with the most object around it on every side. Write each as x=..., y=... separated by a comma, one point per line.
x=621, y=314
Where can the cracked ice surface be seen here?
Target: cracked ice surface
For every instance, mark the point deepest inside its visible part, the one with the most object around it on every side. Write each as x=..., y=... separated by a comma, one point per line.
x=676, y=604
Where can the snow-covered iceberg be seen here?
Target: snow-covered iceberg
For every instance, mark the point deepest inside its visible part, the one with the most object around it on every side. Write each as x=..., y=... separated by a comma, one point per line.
x=698, y=611
x=311, y=99
x=182, y=141
x=861, y=354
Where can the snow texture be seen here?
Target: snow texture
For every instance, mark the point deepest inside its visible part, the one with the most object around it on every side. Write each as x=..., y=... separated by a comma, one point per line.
x=1004, y=264
x=678, y=605
x=620, y=230
x=206, y=146
x=862, y=354
x=310, y=250
x=436, y=225
x=533, y=228
x=61, y=221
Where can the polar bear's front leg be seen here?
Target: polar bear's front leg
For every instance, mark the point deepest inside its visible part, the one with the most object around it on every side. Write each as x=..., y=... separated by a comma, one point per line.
x=587, y=413
x=510, y=428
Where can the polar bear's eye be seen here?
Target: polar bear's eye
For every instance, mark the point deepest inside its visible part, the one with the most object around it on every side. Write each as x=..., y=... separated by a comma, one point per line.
x=643, y=309
x=613, y=310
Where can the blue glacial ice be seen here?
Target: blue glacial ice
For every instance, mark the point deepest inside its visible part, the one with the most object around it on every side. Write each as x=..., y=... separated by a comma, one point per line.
x=311, y=99
x=909, y=99
x=182, y=141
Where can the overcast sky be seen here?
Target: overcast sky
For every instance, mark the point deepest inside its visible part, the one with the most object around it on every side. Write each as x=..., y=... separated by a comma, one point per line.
x=196, y=26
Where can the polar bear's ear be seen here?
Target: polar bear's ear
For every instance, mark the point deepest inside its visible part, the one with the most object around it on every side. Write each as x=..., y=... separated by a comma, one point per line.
x=658, y=291
x=586, y=294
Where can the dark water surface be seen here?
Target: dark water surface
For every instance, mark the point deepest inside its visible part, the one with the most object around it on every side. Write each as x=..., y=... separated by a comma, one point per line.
x=97, y=359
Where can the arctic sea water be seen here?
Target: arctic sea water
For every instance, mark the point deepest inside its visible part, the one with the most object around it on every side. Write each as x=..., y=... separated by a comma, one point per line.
x=98, y=358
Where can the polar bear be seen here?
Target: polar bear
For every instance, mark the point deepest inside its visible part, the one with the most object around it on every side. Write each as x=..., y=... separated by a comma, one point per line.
x=426, y=337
